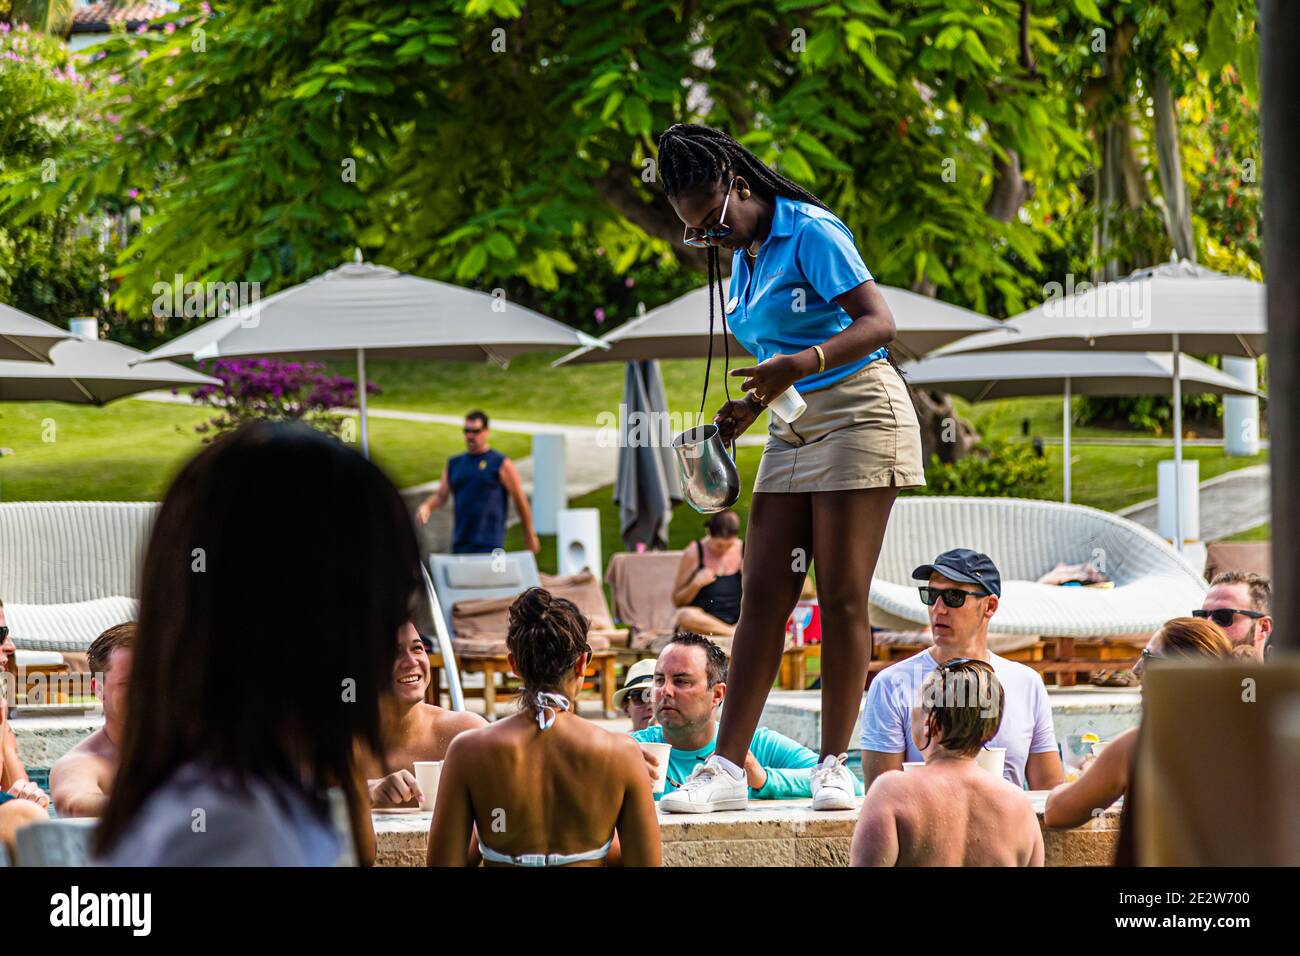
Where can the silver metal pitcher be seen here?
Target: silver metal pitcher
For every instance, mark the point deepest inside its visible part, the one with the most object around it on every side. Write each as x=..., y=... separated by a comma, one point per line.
x=710, y=482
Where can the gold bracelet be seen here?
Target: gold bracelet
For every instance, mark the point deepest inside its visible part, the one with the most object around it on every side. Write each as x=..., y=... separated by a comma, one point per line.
x=821, y=358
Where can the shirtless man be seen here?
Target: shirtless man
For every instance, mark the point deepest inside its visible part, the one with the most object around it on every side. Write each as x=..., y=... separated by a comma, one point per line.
x=413, y=729
x=950, y=812
x=81, y=779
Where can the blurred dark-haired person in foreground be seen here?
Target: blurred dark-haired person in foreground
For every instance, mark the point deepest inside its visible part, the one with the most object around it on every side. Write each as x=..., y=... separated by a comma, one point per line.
x=1106, y=778
x=950, y=812
x=81, y=779
x=280, y=567
x=544, y=786
x=413, y=730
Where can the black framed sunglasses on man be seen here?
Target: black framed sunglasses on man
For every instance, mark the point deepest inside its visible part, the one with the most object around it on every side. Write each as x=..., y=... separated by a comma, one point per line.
x=952, y=597
x=1223, y=616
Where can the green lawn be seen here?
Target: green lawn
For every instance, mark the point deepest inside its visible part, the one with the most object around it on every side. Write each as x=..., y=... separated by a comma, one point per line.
x=129, y=450
x=1263, y=532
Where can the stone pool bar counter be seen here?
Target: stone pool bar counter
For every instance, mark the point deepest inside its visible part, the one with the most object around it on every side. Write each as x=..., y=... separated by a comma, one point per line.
x=769, y=833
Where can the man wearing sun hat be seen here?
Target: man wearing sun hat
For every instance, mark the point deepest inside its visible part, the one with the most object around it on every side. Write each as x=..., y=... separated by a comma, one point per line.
x=633, y=698
x=962, y=589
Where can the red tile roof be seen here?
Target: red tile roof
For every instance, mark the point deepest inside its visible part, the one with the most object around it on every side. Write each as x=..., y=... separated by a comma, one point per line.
x=97, y=17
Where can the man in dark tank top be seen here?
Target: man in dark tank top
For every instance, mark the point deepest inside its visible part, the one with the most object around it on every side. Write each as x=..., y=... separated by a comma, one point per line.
x=483, y=482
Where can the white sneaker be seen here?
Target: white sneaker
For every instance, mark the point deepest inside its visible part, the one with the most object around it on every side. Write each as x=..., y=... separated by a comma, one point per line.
x=708, y=788
x=832, y=785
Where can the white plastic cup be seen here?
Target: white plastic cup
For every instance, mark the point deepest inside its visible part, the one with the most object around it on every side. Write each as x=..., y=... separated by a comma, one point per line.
x=912, y=764
x=660, y=752
x=788, y=406
x=427, y=775
x=992, y=759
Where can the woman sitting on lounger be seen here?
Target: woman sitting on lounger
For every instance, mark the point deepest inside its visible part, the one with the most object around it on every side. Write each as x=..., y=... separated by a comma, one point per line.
x=1106, y=778
x=545, y=787
x=707, y=589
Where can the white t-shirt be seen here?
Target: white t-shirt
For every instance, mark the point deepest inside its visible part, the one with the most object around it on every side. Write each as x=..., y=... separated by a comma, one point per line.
x=1026, y=714
x=201, y=817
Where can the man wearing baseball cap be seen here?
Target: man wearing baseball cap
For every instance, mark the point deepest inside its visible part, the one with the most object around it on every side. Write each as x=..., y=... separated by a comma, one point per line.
x=633, y=698
x=961, y=589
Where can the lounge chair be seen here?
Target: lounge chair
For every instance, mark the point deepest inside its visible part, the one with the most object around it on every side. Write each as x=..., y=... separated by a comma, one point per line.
x=1026, y=539
x=642, y=586
x=70, y=569
x=475, y=591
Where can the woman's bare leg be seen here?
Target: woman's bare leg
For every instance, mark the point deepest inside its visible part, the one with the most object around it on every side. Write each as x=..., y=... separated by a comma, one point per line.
x=848, y=528
x=699, y=621
x=778, y=549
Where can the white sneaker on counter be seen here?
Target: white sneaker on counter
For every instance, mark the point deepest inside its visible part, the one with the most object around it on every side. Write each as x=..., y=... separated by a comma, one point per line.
x=832, y=785
x=709, y=787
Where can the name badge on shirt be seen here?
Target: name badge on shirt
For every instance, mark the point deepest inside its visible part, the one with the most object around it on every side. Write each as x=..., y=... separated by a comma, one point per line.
x=731, y=306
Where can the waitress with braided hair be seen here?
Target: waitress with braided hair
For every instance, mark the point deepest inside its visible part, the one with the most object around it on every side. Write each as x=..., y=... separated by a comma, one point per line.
x=802, y=301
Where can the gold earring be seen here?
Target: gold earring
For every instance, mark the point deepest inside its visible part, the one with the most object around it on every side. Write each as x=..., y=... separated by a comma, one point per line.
x=744, y=193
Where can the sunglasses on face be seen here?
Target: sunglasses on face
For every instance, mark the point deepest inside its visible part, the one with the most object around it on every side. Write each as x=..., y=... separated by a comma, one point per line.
x=959, y=661
x=639, y=696
x=473, y=431
x=704, y=237
x=1223, y=616
x=953, y=597
x=4, y=633
x=1150, y=655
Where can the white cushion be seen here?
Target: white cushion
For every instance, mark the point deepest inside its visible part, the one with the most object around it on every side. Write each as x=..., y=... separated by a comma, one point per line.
x=37, y=659
x=483, y=574
x=66, y=627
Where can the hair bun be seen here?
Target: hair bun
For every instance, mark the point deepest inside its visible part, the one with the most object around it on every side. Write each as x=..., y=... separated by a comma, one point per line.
x=532, y=607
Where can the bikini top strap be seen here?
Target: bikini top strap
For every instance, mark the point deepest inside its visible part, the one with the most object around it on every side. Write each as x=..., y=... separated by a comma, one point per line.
x=548, y=707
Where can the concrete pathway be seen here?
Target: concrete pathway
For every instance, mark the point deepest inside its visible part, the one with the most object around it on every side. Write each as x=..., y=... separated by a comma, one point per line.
x=1230, y=504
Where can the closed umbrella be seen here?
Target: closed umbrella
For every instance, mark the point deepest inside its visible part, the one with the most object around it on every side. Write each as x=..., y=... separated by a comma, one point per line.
x=646, y=487
x=982, y=376
x=91, y=372
x=361, y=310
x=1170, y=307
x=680, y=329
x=25, y=338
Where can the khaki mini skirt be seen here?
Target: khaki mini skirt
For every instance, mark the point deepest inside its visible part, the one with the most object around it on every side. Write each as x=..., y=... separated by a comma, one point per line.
x=861, y=432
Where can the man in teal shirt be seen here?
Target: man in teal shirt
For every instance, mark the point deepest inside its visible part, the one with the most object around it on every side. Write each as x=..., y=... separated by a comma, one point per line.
x=690, y=684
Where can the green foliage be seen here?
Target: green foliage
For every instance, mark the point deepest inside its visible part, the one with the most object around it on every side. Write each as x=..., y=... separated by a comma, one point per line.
x=50, y=264
x=993, y=469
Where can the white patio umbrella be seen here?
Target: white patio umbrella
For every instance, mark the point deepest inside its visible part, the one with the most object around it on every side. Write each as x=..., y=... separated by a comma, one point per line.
x=92, y=372
x=1166, y=308
x=680, y=329
x=982, y=376
x=25, y=338
x=362, y=310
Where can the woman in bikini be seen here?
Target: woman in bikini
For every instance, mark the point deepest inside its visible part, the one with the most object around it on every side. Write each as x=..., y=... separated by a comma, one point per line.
x=545, y=787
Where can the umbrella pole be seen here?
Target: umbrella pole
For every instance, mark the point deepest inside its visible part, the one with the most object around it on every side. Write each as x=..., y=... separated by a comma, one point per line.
x=361, y=389
x=1065, y=428
x=1178, y=452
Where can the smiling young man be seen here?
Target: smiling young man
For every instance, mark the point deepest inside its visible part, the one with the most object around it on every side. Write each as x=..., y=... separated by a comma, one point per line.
x=690, y=685
x=413, y=729
x=962, y=591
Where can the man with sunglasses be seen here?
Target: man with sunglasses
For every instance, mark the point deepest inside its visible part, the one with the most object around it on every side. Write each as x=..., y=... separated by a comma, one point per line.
x=1239, y=602
x=962, y=590
x=636, y=697
x=484, y=482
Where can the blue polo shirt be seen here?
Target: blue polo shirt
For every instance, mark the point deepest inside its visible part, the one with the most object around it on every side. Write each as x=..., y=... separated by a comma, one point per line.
x=786, y=302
